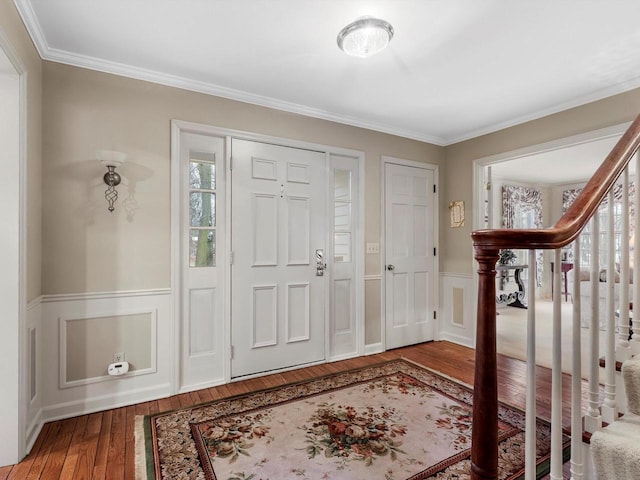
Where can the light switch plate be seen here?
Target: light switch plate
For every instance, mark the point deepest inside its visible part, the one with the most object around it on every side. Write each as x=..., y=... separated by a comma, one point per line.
x=373, y=248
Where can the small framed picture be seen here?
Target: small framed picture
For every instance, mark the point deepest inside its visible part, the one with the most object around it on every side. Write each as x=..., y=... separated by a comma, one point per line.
x=456, y=211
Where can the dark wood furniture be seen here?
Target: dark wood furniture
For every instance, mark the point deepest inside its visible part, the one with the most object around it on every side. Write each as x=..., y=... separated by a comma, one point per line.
x=515, y=298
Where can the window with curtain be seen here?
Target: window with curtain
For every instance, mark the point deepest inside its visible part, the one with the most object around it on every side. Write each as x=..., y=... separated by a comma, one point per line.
x=568, y=196
x=522, y=208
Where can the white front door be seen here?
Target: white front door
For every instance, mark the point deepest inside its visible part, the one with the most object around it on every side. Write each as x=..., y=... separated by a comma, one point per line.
x=278, y=228
x=409, y=255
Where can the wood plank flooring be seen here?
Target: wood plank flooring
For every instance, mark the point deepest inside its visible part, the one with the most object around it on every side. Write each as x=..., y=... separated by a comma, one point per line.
x=100, y=446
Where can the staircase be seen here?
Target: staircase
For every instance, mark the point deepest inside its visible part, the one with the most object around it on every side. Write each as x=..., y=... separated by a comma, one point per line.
x=614, y=452
x=616, y=448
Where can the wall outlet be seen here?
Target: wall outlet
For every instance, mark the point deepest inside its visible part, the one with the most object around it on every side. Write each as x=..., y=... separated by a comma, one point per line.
x=118, y=357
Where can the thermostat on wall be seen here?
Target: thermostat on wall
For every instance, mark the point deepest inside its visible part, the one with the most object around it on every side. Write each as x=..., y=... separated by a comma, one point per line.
x=118, y=368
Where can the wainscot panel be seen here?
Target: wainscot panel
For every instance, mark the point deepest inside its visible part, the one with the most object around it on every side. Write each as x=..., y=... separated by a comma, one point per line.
x=457, y=323
x=74, y=378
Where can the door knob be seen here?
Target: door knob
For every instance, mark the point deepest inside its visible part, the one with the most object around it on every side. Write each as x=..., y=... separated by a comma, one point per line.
x=391, y=268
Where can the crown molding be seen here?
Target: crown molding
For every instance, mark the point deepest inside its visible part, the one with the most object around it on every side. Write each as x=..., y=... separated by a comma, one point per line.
x=184, y=83
x=25, y=10
x=60, y=56
x=576, y=102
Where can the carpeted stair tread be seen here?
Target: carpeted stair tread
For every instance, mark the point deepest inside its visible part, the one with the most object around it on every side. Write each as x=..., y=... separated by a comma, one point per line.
x=616, y=454
x=616, y=448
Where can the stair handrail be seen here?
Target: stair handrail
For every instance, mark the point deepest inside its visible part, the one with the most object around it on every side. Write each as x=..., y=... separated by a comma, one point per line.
x=487, y=244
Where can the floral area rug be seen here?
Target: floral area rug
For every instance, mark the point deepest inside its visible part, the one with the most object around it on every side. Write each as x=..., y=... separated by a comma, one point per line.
x=392, y=421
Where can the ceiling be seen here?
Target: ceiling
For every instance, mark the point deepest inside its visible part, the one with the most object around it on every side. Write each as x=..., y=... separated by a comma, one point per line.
x=570, y=164
x=455, y=69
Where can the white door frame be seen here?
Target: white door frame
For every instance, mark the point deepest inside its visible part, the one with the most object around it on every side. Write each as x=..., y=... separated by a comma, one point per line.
x=178, y=126
x=436, y=230
x=14, y=339
x=479, y=177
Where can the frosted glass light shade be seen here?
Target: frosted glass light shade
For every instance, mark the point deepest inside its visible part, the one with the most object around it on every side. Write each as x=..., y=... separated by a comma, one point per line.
x=365, y=37
x=111, y=157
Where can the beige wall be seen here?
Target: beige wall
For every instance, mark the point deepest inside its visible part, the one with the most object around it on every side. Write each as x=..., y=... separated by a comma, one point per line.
x=13, y=30
x=458, y=250
x=88, y=249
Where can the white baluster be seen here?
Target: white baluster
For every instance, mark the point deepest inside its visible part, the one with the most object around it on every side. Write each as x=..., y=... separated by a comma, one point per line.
x=635, y=339
x=592, y=419
x=556, y=374
x=577, y=468
x=609, y=407
x=623, y=351
x=531, y=428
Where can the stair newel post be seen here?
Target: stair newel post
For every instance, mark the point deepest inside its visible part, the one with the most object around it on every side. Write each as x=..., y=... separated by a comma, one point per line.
x=484, y=434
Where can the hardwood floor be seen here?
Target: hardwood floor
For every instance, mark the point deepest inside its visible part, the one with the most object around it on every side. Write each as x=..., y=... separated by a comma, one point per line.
x=100, y=446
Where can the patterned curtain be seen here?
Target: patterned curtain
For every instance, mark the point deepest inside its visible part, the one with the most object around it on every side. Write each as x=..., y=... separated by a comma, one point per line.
x=568, y=196
x=518, y=198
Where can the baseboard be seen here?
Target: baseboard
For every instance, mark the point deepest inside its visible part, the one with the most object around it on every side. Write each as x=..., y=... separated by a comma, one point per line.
x=344, y=356
x=33, y=431
x=104, y=402
x=458, y=339
x=373, y=348
x=202, y=386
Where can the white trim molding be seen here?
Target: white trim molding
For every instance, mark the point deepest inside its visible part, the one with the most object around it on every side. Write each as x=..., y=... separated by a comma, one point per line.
x=63, y=352
x=457, y=323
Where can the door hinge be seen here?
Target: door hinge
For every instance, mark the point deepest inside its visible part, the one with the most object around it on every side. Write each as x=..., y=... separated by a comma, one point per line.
x=230, y=163
x=231, y=352
x=231, y=258
x=434, y=314
x=434, y=188
x=434, y=252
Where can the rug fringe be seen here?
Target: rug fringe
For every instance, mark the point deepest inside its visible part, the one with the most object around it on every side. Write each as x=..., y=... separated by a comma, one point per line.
x=140, y=454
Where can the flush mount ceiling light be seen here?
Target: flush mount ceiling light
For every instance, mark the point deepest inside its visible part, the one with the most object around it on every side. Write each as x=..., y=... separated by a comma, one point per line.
x=365, y=37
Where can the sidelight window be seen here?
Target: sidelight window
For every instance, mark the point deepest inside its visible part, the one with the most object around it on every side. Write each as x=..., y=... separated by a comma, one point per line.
x=202, y=210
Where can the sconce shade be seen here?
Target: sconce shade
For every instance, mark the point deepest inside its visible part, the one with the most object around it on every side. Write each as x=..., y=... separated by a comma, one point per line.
x=111, y=157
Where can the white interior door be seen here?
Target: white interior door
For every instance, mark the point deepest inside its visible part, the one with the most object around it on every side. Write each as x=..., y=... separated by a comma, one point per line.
x=409, y=255
x=278, y=225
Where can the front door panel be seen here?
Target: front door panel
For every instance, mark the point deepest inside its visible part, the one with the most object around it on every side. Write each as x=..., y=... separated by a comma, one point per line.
x=278, y=223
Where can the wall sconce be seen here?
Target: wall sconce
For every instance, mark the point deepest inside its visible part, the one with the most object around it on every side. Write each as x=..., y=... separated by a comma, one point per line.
x=111, y=159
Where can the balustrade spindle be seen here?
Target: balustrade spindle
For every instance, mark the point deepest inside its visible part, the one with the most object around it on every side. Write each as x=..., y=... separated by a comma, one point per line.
x=593, y=420
x=635, y=338
x=530, y=420
x=556, y=374
x=609, y=408
x=577, y=467
x=623, y=351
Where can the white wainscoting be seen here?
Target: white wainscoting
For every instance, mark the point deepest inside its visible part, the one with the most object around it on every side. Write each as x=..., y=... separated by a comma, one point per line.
x=32, y=377
x=457, y=322
x=104, y=392
x=373, y=315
